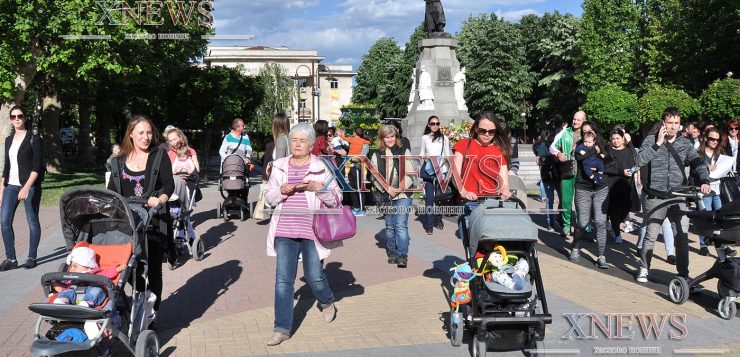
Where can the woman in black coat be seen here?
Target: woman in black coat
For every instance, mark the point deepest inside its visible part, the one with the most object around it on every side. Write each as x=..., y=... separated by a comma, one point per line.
x=22, y=176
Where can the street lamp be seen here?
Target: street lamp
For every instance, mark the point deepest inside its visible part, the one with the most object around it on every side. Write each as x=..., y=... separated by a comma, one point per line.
x=298, y=89
x=322, y=68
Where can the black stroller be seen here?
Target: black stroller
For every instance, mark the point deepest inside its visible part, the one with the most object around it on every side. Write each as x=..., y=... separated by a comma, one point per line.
x=105, y=222
x=502, y=319
x=722, y=229
x=235, y=181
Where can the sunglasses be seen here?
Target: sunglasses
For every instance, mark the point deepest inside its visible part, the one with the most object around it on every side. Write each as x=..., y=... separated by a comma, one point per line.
x=434, y=124
x=19, y=116
x=713, y=139
x=482, y=131
x=733, y=128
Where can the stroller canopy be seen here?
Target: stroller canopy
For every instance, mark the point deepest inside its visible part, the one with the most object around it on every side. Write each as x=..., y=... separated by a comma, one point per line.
x=496, y=220
x=99, y=215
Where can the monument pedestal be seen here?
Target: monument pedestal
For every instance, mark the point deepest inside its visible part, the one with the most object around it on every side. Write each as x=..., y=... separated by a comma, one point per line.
x=440, y=61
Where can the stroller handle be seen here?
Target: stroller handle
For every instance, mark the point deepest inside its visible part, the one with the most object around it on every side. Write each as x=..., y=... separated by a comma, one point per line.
x=513, y=198
x=78, y=277
x=692, y=192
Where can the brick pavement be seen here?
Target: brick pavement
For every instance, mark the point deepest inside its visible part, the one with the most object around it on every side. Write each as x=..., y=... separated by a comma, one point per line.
x=222, y=306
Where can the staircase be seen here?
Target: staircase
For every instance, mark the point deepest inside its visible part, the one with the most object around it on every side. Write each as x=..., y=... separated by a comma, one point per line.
x=528, y=169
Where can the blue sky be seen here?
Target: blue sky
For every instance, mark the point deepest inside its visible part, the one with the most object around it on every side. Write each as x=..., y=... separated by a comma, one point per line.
x=343, y=30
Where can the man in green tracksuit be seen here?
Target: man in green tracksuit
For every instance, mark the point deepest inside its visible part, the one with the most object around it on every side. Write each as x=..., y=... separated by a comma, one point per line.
x=563, y=146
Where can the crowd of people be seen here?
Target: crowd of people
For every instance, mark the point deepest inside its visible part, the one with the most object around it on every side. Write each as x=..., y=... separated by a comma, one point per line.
x=598, y=183
x=602, y=180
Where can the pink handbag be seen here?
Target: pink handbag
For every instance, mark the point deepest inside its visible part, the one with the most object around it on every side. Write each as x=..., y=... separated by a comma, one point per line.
x=334, y=224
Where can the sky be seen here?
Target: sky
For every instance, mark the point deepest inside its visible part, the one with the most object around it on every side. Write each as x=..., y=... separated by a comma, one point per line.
x=344, y=30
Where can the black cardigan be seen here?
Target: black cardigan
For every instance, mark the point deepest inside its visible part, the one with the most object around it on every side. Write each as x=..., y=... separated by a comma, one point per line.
x=30, y=158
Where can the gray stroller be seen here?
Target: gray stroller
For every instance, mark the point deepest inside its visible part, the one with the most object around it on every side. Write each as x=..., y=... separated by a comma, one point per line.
x=116, y=230
x=234, y=187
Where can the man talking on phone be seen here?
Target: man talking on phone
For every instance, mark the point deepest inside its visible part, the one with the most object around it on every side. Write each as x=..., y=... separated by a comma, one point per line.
x=665, y=156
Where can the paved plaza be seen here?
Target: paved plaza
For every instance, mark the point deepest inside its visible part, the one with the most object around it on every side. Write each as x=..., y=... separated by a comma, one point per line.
x=222, y=305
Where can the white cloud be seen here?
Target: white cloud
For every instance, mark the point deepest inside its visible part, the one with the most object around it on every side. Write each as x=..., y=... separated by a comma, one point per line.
x=515, y=15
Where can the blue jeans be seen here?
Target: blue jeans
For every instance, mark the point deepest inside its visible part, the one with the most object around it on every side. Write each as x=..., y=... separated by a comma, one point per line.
x=547, y=190
x=462, y=221
x=287, y=250
x=711, y=203
x=429, y=220
x=670, y=248
x=7, y=215
x=397, y=228
x=93, y=295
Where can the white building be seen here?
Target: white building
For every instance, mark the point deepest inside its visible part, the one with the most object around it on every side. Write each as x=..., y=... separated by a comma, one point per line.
x=323, y=88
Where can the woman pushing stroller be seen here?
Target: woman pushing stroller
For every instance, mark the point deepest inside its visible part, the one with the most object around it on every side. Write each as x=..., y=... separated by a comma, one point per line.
x=143, y=170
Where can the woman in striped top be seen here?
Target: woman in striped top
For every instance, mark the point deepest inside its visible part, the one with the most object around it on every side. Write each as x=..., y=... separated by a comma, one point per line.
x=296, y=188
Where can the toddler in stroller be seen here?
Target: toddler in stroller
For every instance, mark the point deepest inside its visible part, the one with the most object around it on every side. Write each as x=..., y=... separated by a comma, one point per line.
x=110, y=234
x=235, y=181
x=507, y=309
x=82, y=260
x=722, y=229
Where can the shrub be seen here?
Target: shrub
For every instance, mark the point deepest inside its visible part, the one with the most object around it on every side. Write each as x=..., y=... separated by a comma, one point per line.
x=721, y=101
x=611, y=105
x=657, y=99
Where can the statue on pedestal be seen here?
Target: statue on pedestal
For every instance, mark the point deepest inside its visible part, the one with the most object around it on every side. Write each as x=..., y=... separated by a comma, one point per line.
x=426, y=96
x=412, y=94
x=460, y=89
x=434, y=20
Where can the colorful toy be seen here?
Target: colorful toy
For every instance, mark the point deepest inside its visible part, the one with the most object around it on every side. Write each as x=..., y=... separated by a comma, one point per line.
x=461, y=294
x=497, y=261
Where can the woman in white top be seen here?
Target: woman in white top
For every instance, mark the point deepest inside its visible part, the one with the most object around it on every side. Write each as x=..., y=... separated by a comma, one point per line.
x=730, y=143
x=437, y=146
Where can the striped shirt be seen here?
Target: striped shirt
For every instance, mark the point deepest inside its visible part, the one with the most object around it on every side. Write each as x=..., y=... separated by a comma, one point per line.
x=295, y=220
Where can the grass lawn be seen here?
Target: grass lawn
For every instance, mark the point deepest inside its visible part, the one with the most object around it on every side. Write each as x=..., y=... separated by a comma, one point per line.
x=55, y=185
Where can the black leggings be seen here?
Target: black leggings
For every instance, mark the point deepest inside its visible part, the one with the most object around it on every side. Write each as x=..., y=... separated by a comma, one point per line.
x=154, y=262
x=355, y=181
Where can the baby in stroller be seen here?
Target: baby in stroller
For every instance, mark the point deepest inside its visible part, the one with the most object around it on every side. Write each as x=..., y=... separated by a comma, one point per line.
x=82, y=260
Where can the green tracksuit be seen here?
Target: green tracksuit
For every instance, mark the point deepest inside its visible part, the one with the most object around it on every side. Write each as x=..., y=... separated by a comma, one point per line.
x=565, y=143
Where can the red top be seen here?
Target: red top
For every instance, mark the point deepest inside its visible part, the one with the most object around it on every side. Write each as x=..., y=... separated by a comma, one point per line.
x=320, y=147
x=482, y=164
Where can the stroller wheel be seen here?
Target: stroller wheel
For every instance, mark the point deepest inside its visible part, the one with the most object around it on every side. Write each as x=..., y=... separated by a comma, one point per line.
x=678, y=290
x=533, y=347
x=457, y=327
x=199, y=249
x=727, y=308
x=479, y=347
x=241, y=214
x=147, y=344
x=218, y=211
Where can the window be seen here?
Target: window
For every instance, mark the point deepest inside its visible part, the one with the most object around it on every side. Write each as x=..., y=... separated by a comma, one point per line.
x=302, y=104
x=303, y=82
x=334, y=84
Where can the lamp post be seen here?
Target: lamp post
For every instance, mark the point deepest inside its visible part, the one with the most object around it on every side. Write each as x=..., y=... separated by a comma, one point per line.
x=298, y=89
x=329, y=79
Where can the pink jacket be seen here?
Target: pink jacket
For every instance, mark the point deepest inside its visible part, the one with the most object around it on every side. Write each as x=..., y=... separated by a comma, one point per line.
x=317, y=171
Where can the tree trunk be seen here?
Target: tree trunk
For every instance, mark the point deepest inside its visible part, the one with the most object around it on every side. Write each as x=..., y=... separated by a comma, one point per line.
x=103, y=119
x=85, y=147
x=22, y=82
x=50, y=130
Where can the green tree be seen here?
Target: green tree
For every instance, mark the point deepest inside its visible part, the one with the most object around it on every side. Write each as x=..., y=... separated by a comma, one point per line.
x=612, y=105
x=550, y=43
x=721, y=101
x=375, y=72
x=608, y=44
x=277, y=96
x=656, y=99
x=394, y=99
x=492, y=51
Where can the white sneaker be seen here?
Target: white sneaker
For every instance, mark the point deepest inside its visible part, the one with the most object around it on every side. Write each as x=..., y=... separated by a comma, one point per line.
x=642, y=276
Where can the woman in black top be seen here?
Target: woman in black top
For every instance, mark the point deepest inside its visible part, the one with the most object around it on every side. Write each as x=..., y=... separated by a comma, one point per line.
x=135, y=161
x=590, y=197
x=620, y=168
x=22, y=176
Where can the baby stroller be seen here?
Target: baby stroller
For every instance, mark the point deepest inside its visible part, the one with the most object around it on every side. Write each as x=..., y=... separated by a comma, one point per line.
x=722, y=229
x=104, y=221
x=182, y=209
x=235, y=181
x=502, y=319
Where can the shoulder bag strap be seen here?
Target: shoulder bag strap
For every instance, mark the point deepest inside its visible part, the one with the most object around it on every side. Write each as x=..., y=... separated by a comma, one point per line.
x=241, y=137
x=115, y=173
x=155, y=172
x=681, y=166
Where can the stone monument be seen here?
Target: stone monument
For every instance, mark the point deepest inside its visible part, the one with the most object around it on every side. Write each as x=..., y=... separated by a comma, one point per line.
x=437, y=78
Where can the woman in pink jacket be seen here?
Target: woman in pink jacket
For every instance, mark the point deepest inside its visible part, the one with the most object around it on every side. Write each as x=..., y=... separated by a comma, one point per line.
x=297, y=186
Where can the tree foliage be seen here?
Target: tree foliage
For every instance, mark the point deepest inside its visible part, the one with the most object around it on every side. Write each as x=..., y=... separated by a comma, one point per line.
x=550, y=43
x=721, y=101
x=608, y=45
x=612, y=105
x=498, y=78
x=375, y=72
x=394, y=99
x=278, y=95
x=657, y=99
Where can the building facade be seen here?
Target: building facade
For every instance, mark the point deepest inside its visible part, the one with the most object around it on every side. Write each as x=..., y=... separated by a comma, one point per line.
x=321, y=89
